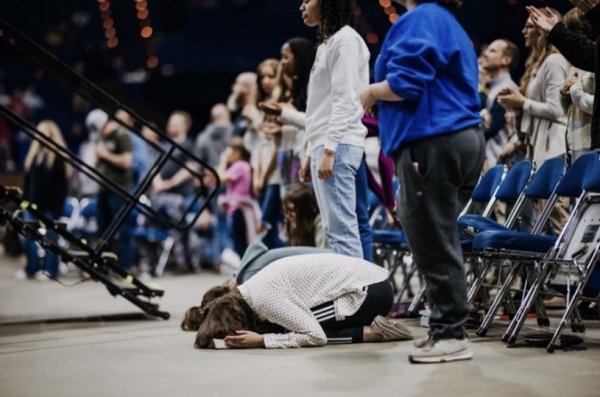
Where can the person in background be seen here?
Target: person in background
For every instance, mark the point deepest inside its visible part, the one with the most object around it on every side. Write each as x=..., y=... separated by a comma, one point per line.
x=498, y=59
x=302, y=218
x=46, y=176
x=211, y=142
x=575, y=39
x=243, y=93
x=174, y=184
x=141, y=157
x=235, y=173
x=537, y=102
x=114, y=159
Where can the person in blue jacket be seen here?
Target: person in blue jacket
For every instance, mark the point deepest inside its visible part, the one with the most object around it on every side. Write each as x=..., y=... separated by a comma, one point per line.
x=426, y=92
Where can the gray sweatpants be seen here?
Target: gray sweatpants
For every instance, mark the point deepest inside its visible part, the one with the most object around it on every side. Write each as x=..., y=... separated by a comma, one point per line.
x=434, y=173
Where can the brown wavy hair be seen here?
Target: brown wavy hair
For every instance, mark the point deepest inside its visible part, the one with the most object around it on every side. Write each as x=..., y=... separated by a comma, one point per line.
x=576, y=22
x=306, y=210
x=193, y=317
x=225, y=316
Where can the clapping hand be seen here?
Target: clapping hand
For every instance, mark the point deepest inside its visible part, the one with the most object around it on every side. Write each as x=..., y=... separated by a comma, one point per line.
x=565, y=88
x=511, y=98
x=272, y=109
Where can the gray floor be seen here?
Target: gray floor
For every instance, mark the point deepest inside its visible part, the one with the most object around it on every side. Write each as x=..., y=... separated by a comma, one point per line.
x=46, y=350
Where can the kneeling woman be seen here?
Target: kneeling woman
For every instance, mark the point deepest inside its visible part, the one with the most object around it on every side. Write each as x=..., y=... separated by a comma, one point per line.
x=301, y=301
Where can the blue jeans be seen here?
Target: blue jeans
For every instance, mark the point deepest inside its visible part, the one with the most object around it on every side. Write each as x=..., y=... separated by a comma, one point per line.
x=271, y=216
x=50, y=259
x=108, y=207
x=336, y=197
x=362, y=211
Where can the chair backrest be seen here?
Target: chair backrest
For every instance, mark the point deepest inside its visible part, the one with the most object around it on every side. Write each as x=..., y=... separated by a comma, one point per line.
x=591, y=182
x=515, y=181
x=89, y=208
x=70, y=207
x=584, y=169
x=485, y=191
x=546, y=178
x=488, y=184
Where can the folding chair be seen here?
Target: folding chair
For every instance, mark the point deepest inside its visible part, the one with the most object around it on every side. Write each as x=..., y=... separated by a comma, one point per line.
x=541, y=187
x=528, y=250
x=573, y=272
x=510, y=191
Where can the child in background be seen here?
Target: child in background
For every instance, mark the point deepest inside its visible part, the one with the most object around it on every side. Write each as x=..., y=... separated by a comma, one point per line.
x=243, y=213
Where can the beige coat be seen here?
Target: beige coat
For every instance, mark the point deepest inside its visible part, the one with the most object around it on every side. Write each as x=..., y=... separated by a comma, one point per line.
x=544, y=120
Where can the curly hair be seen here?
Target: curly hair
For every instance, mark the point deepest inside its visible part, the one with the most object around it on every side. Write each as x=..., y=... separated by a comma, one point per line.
x=449, y=4
x=335, y=14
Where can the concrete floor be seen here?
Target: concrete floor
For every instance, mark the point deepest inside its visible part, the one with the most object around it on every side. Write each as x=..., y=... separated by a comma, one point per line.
x=46, y=349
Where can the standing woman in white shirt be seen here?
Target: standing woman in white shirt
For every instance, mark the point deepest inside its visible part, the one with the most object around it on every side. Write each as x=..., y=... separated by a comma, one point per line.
x=335, y=136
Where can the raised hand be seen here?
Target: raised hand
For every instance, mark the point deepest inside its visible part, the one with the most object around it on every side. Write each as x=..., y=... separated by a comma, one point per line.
x=545, y=20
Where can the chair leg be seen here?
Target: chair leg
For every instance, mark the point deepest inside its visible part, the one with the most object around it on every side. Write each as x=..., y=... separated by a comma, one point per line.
x=502, y=294
x=529, y=299
x=408, y=275
x=164, y=256
x=577, y=322
x=480, y=276
x=571, y=305
x=417, y=299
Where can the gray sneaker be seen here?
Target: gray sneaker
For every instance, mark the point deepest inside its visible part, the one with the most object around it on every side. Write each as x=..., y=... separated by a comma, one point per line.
x=441, y=351
x=390, y=330
x=421, y=342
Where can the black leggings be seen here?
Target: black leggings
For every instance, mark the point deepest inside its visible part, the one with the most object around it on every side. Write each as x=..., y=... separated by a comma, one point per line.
x=379, y=301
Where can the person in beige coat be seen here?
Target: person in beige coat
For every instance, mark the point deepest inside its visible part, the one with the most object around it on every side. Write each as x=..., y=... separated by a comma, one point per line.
x=543, y=120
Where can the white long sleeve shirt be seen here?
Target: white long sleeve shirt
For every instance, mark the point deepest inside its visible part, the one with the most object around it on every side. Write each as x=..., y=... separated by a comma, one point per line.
x=285, y=291
x=339, y=75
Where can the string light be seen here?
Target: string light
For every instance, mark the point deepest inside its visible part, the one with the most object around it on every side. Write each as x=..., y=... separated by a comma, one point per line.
x=110, y=32
x=389, y=10
x=146, y=32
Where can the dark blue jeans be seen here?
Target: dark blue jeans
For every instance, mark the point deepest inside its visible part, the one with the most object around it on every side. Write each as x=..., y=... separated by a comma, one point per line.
x=108, y=207
x=362, y=211
x=271, y=215
x=237, y=231
x=49, y=263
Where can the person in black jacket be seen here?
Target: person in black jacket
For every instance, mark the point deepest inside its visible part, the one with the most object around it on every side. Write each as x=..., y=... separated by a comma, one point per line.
x=45, y=185
x=578, y=50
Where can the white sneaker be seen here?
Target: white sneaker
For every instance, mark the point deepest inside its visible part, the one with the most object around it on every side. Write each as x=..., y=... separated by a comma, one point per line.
x=421, y=342
x=41, y=277
x=21, y=275
x=441, y=351
x=390, y=330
